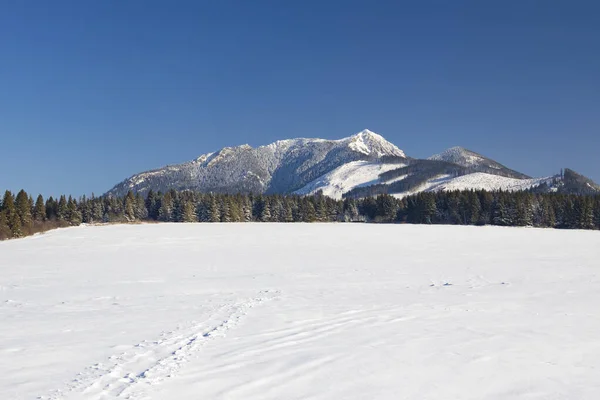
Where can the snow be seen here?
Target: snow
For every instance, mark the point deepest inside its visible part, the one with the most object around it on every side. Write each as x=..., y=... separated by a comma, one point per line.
x=371, y=143
x=459, y=155
x=475, y=181
x=347, y=177
x=299, y=311
x=488, y=182
x=430, y=185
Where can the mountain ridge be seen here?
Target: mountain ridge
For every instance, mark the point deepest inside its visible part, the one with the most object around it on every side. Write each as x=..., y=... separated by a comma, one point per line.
x=358, y=165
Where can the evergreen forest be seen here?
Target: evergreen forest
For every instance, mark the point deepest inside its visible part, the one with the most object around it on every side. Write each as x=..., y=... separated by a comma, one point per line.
x=21, y=215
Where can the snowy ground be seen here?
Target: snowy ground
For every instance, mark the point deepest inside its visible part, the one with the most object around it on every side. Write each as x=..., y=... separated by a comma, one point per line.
x=300, y=311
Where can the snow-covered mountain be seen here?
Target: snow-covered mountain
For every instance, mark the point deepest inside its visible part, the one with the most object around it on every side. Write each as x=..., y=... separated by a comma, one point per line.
x=281, y=167
x=360, y=165
x=476, y=162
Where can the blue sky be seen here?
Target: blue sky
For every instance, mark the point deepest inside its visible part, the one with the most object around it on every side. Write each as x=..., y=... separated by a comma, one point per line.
x=92, y=92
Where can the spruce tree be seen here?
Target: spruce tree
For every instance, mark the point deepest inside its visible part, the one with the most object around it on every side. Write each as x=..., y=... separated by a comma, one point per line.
x=129, y=206
x=140, y=210
x=213, y=209
x=152, y=205
x=61, y=212
x=265, y=214
x=12, y=217
x=23, y=208
x=51, y=209
x=188, y=213
x=5, y=232
x=165, y=212
x=39, y=210
x=73, y=214
x=320, y=207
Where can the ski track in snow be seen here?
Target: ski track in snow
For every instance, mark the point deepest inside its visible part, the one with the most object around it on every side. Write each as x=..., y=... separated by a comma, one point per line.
x=126, y=375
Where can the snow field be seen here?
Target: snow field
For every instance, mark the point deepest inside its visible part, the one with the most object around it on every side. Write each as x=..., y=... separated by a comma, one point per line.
x=299, y=311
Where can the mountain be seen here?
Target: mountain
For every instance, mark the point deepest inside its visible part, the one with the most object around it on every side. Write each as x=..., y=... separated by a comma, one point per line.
x=364, y=164
x=569, y=182
x=476, y=162
x=281, y=167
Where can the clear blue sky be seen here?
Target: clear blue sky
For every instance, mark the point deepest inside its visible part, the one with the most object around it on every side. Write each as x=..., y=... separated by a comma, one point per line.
x=92, y=92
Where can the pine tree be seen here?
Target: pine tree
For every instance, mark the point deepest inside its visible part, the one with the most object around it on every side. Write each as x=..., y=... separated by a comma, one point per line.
x=320, y=208
x=97, y=210
x=24, y=209
x=500, y=214
x=73, y=214
x=288, y=211
x=14, y=223
x=129, y=206
x=61, y=212
x=5, y=232
x=585, y=209
x=225, y=212
x=140, y=210
x=429, y=208
x=165, y=212
x=213, y=209
x=12, y=217
x=265, y=214
x=386, y=208
x=39, y=210
x=350, y=210
x=188, y=213
x=152, y=205
x=247, y=209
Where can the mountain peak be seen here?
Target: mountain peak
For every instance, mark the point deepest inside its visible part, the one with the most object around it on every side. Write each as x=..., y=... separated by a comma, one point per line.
x=371, y=143
x=459, y=155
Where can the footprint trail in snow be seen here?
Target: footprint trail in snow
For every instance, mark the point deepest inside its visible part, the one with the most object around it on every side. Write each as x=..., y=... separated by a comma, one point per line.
x=128, y=374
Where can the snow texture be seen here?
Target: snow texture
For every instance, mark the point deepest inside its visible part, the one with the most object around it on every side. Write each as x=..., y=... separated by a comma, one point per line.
x=299, y=311
x=347, y=177
x=475, y=181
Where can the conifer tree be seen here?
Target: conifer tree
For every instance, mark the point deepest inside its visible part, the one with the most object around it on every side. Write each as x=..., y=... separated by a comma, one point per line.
x=97, y=210
x=585, y=210
x=152, y=205
x=165, y=212
x=23, y=208
x=61, y=212
x=320, y=207
x=213, y=209
x=5, y=232
x=73, y=214
x=12, y=217
x=265, y=214
x=247, y=209
x=129, y=206
x=39, y=210
x=188, y=213
x=140, y=210
x=288, y=211
x=501, y=215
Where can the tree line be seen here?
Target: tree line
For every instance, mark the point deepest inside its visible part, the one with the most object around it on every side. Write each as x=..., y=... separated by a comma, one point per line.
x=20, y=215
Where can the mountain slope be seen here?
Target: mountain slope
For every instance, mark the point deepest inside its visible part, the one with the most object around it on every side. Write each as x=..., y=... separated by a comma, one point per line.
x=475, y=162
x=280, y=167
x=570, y=182
x=347, y=177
